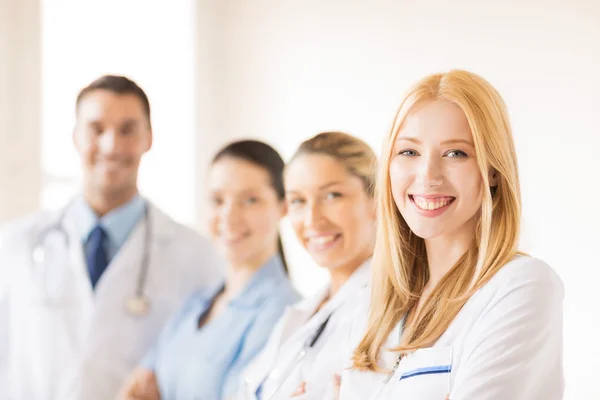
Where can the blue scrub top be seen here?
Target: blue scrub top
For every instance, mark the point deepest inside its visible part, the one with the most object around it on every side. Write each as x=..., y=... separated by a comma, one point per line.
x=207, y=363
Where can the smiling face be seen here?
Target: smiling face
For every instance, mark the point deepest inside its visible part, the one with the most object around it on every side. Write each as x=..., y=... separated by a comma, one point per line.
x=330, y=211
x=435, y=179
x=111, y=135
x=244, y=211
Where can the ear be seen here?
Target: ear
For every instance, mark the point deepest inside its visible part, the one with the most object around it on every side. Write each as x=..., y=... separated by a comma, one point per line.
x=493, y=178
x=74, y=136
x=149, y=141
x=283, y=208
x=373, y=207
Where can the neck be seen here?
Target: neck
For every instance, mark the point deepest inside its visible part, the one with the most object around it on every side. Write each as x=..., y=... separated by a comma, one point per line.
x=443, y=252
x=339, y=275
x=103, y=203
x=239, y=274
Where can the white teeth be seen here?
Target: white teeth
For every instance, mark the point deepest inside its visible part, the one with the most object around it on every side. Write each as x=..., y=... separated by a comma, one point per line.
x=322, y=240
x=425, y=204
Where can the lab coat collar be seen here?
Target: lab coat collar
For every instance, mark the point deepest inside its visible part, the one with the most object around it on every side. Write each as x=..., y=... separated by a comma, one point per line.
x=260, y=287
x=359, y=278
x=162, y=229
x=302, y=316
x=118, y=223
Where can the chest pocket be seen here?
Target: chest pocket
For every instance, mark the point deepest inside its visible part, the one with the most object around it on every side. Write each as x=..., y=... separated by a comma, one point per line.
x=424, y=375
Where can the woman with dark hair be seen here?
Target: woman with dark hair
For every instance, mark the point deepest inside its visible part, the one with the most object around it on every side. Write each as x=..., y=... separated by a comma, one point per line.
x=207, y=344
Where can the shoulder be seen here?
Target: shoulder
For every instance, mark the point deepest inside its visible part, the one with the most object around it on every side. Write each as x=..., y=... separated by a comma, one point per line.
x=283, y=296
x=525, y=285
x=169, y=227
x=184, y=243
x=275, y=303
x=20, y=229
x=526, y=272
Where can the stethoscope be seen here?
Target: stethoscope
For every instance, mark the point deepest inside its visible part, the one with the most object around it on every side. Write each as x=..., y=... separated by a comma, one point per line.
x=136, y=305
x=308, y=344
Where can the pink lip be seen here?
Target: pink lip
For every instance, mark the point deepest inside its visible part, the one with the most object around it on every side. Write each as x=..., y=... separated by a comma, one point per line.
x=431, y=213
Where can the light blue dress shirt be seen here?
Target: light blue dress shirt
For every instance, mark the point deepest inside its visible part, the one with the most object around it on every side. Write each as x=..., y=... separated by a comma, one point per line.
x=118, y=224
x=207, y=363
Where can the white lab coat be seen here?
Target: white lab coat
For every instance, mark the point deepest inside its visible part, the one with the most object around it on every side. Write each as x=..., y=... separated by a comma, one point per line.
x=85, y=344
x=506, y=343
x=290, y=334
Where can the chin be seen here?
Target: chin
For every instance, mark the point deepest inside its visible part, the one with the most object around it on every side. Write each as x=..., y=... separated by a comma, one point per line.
x=330, y=262
x=427, y=232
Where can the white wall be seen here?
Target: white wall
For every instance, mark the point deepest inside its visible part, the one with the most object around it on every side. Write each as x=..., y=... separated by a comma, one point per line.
x=290, y=69
x=152, y=42
x=20, y=103
x=210, y=135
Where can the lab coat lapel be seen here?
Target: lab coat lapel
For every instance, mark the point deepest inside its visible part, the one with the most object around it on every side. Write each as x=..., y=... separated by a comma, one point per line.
x=300, y=314
x=82, y=286
x=127, y=263
x=290, y=323
x=357, y=280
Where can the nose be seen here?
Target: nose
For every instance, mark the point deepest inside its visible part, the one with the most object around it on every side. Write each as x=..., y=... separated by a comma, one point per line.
x=313, y=214
x=110, y=142
x=430, y=171
x=229, y=214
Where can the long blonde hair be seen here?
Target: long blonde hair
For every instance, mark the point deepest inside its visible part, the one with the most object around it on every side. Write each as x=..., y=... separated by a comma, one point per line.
x=400, y=269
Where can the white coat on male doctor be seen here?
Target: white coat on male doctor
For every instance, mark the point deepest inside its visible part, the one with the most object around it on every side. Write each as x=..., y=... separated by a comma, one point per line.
x=83, y=345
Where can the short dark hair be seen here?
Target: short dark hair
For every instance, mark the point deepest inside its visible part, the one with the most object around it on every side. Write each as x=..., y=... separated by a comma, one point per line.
x=119, y=85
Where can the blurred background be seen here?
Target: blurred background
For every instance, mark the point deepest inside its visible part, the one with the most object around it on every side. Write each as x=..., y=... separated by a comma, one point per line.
x=282, y=71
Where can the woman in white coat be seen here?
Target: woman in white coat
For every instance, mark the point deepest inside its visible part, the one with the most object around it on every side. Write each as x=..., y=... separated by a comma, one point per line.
x=456, y=311
x=329, y=184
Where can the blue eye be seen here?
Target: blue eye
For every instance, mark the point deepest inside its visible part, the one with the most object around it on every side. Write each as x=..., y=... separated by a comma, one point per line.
x=456, y=154
x=295, y=202
x=252, y=200
x=408, y=153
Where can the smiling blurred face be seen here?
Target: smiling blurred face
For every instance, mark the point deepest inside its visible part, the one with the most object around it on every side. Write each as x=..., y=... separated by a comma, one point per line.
x=330, y=211
x=435, y=180
x=112, y=134
x=244, y=211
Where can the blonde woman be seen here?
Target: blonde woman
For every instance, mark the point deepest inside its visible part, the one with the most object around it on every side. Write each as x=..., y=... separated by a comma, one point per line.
x=329, y=193
x=455, y=309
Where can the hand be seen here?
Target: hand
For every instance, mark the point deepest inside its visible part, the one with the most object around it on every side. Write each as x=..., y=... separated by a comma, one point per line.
x=301, y=390
x=141, y=385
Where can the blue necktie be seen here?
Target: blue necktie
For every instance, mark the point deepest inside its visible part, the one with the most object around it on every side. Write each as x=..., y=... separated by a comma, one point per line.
x=95, y=254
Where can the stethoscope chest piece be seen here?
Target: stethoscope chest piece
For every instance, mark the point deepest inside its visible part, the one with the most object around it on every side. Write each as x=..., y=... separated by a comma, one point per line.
x=137, y=305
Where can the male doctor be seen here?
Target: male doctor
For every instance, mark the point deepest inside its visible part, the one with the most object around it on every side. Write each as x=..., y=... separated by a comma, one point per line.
x=85, y=291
